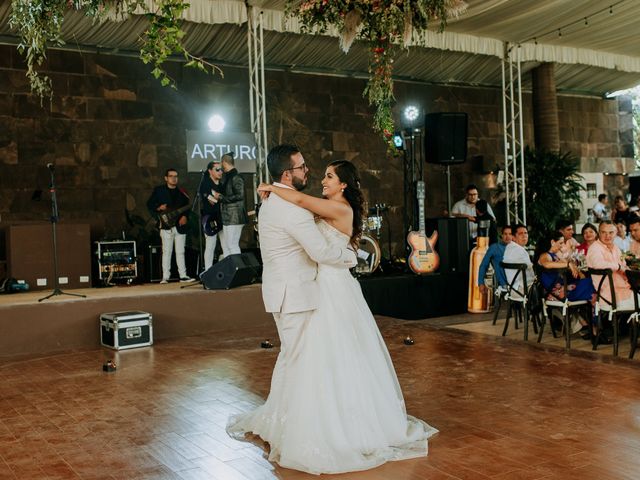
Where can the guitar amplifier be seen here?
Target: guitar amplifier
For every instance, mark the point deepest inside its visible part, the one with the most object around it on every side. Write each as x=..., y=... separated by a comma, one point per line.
x=117, y=260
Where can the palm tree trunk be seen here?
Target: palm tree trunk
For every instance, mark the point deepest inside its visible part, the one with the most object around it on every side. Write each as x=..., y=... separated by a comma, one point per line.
x=545, y=108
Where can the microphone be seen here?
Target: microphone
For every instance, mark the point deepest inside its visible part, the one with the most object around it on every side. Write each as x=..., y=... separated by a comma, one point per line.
x=51, y=166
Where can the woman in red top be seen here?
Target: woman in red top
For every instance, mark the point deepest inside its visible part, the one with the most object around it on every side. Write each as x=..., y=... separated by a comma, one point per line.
x=589, y=235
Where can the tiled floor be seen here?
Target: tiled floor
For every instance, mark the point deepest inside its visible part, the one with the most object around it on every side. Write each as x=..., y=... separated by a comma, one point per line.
x=506, y=410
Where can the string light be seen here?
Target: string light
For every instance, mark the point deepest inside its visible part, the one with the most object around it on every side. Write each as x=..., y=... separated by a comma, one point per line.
x=567, y=28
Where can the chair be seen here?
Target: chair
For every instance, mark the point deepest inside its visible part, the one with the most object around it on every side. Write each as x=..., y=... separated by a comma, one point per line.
x=559, y=302
x=500, y=294
x=609, y=306
x=633, y=276
x=517, y=298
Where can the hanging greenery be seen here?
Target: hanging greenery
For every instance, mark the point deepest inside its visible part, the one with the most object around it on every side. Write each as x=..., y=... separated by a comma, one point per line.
x=383, y=24
x=39, y=24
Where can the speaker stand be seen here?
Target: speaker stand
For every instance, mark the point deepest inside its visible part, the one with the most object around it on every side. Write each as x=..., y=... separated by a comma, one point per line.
x=448, y=173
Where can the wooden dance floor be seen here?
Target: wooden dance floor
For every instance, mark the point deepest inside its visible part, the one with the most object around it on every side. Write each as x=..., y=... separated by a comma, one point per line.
x=506, y=410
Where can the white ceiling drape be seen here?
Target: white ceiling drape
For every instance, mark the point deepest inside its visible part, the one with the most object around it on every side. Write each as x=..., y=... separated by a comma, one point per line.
x=597, y=51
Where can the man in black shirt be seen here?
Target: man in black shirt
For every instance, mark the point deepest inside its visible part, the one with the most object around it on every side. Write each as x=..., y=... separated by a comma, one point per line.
x=210, y=190
x=171, y=204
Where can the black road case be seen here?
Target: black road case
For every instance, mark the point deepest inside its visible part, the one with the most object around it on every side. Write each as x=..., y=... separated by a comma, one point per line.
x=123, y=330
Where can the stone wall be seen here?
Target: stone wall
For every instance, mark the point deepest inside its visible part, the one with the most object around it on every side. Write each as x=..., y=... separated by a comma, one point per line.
x=112, y=130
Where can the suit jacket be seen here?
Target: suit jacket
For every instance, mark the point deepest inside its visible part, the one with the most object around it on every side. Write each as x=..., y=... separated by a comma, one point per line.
x=291, y=247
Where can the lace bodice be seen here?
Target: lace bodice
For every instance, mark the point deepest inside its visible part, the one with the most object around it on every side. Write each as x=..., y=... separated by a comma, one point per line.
x=332, y=234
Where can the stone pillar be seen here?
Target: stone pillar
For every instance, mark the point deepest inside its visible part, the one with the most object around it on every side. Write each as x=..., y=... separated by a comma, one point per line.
x=545, y=108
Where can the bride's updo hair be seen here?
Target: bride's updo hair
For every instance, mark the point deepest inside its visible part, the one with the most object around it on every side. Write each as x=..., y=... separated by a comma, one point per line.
x=347, y=173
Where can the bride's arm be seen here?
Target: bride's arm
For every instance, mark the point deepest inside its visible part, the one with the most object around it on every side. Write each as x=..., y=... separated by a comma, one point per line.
x=329, y=209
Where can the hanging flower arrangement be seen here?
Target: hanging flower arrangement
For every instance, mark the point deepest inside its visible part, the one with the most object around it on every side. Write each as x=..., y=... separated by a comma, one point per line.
x=39, y=24
x=383, y=24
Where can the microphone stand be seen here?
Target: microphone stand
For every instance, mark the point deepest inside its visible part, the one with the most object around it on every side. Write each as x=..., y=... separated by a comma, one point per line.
x=54, y=222
x=197, y=202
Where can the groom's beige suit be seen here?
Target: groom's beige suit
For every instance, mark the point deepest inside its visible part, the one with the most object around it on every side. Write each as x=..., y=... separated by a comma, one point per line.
x=291, y=247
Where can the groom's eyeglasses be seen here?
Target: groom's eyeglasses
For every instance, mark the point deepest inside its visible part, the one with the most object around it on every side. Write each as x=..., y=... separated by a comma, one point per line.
x=302, y=167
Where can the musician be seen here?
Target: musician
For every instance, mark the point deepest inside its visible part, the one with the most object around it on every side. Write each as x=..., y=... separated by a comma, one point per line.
x=466, y=208
x=234, y=213
x=210, y=191
x=167, y=198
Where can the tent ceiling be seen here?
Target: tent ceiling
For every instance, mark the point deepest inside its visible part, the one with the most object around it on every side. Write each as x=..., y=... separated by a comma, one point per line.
x=600, y=57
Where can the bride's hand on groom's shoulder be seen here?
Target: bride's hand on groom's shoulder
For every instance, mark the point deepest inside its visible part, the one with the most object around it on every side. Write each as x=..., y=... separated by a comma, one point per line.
x=264, y=189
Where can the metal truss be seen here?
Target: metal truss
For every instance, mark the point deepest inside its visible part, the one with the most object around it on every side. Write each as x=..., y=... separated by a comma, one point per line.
x=257, y=97
x=512, y=110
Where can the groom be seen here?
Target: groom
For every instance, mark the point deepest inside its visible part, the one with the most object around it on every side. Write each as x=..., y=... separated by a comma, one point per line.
x=291, y=246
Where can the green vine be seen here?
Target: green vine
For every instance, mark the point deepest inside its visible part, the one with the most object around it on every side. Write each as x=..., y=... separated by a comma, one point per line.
x=39, y=24
x=383, y=24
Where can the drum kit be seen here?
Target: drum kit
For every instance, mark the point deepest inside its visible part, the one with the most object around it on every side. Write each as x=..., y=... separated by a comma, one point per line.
x=369, y=254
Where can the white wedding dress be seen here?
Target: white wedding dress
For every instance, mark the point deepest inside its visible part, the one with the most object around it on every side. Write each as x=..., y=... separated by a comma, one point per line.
x=341, y=408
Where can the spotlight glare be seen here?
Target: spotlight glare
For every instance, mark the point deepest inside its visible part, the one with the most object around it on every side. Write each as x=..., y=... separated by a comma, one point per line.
x=216, y=123
x=411, y=113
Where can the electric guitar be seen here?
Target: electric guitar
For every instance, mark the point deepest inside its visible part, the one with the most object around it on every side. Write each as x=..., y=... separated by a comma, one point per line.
x=169, y=218
x=423, y=258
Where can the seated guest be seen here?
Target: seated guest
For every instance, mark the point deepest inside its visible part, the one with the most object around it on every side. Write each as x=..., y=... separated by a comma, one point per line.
x=589, y=235
x=621, y=211
x=600, y=209
x=578, y=287
x=634, y=230
x=494, y=256
x=482, y=214
x=605, y=254
x=622, y=240
x=565, y=227
x=515, y=252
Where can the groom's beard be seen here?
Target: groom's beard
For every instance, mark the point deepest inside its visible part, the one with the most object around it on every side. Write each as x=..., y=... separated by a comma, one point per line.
x=299, y=184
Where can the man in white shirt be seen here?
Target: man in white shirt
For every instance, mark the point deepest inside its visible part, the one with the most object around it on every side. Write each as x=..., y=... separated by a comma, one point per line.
x=622, y=240
x=466, y=208
x=515, y=252
x=600, y=210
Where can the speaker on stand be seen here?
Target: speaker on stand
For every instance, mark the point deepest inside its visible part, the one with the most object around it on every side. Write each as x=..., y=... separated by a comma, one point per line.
x=445, y=142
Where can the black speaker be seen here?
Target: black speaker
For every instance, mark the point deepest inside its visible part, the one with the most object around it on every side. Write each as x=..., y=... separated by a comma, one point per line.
x=445, y=137
x=453, y=244
x=232, y=271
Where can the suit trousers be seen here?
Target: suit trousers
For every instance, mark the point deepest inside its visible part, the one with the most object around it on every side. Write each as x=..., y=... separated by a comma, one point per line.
x=230, y=239
x=209, y=250
x=169, y=237
x=291, y=328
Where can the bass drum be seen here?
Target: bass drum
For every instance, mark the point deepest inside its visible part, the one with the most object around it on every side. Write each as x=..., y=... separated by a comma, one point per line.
x=368, y=255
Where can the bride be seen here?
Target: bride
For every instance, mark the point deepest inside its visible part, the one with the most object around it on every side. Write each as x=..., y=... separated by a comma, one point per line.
x=343, y=407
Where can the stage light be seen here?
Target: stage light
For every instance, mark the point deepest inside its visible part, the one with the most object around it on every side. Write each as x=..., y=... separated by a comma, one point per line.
x=398, y=141
x=216, y=123
x=411, y=113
